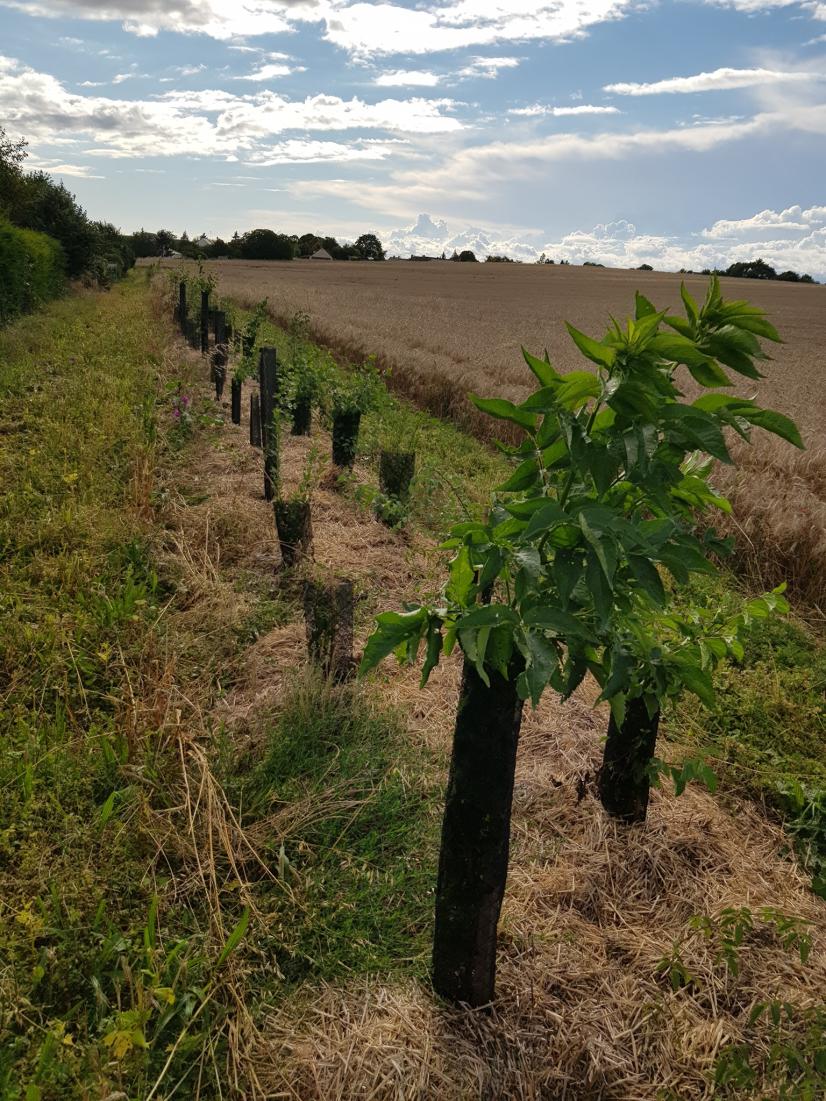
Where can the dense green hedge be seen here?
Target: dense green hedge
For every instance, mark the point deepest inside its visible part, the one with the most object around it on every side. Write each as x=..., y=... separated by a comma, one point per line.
x=32, y=270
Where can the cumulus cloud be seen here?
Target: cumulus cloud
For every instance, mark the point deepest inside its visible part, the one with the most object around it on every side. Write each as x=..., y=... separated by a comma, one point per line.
x=716, y=81
x=397, y=78
x=539, y=110
x=203, y=123
x=619, y=244
x=488, y=68
x=362, y=28
x=270, y=72
x=793, y=220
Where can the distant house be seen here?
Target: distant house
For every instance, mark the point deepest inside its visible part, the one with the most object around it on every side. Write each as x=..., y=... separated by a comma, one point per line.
x=321, y=254
x=203, y=241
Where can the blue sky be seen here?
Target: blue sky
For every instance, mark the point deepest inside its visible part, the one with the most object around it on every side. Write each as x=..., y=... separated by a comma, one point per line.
x=675, y=133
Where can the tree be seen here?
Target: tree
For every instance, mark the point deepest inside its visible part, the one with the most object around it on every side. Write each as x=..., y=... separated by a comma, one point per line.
x=369, y=247
x=50, y=208
x=165, y=240
x=264, y=244
x=467, y=257
x=12, y=155
x=751, y=269
x=564, y=579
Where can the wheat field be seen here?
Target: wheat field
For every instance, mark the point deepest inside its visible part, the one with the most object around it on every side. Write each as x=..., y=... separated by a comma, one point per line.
x=444, y=329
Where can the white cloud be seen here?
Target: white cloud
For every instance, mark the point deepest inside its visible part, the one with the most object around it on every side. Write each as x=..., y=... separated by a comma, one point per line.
x=488, y=68
x=619, y=244
x=270, y=72
x=538, y=110
x=202, y=123
x=361, y=28
x=793, y=219
x=718, y=80
x=368, y=29
x=394, y=78
x=304, y=151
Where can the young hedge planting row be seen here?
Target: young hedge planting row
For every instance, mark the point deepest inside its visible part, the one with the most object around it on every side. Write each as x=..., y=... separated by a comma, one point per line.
x=32, y=270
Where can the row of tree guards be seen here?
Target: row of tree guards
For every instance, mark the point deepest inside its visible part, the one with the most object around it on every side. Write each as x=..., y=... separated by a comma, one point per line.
x=328, y=604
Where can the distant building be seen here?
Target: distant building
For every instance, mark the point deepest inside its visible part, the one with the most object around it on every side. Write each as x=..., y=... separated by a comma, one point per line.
x=321, y=254
x=203, y=241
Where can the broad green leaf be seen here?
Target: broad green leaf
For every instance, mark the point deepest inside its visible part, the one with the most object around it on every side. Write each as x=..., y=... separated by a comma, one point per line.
x=433, y=649
x=709, y=374
x=525, y=476
x=547, y=517
x=491, y=568
x=540, y=662
x=568, y=570
x=648, y=577
x=461, y=577
x=487, y=615
x=643, y=308
x=554, y=619
x=392, y=629
x=541, y=368
x=698, y=681
x=542, y=401
x=775, y=423
x=578, y=387
x=504, y=410
x=598, y=353
x=692, y=310
x=604, y=548
x=678, y=349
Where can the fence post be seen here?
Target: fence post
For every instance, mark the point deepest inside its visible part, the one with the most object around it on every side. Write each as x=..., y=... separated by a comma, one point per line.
x=268, y=382
x=219, y=355
x=182, y=306
x=255, y=420
x=204, y=322
x=235, y=387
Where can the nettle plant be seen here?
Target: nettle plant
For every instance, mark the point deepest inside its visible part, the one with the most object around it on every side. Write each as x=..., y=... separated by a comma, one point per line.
x=575, y=572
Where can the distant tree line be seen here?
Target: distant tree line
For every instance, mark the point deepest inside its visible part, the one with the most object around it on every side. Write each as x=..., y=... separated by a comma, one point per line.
x=255, y=244
x=758, y=269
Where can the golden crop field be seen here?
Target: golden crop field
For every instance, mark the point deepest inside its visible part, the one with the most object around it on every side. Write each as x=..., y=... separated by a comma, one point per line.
x=446, y=328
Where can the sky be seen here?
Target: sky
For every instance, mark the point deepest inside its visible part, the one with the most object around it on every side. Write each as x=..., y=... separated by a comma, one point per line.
x=682, y=134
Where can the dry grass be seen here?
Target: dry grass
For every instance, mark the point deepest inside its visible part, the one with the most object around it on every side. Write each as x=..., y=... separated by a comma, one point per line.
x=778, y=496
x=591, y=909
x=444, y=329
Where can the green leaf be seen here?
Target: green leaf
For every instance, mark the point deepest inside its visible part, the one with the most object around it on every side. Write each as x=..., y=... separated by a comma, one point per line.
x=540, y=662
x=701, y=429
x=392, y=630
x=775, y=423
x=678, y=349
x=525, y=475
x=461, y=577
x=491, y=568
x=541, y=368
x=433, y=650
x=647, y=577
x=487, y=615
x=709, y=374
x=604, y=549
x=235, y=938
x=698, y=681
x=504, y=410
x=578, y=388
x=525, y=509
x=542, y=401
x=643, y=308
x=567, y=570
x=554, y=619
x=599, y=588
x=598, y=353
x=692, y=310
x=545, y=518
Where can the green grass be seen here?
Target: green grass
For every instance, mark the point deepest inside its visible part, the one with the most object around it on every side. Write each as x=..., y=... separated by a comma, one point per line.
x=361, y=865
